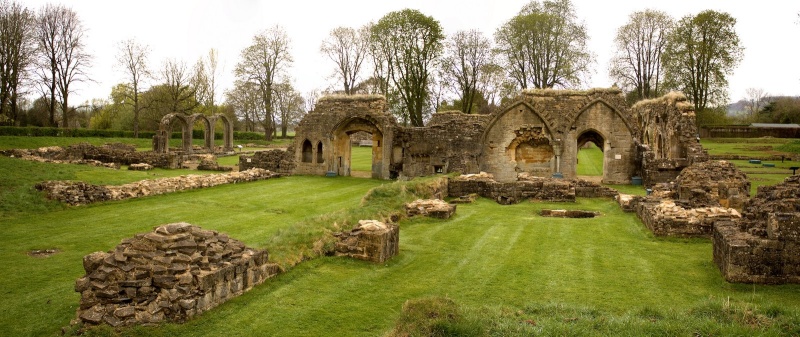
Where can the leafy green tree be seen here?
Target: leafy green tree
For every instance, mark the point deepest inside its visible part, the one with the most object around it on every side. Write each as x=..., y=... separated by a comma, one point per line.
x=781, y=110
x=636, y=65
x=409, y=42
x=700, y=54
x=544, y=46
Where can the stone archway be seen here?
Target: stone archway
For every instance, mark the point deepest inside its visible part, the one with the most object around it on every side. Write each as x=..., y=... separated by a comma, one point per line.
x=341, y=163
x=161, y=139
x=602, y=124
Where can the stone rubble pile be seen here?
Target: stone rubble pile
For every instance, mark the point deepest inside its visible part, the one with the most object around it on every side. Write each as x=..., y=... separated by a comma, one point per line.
x=370, y=240
x=664, y=217
x=435, y=208
x=81, y=193
x=280, y=161
x=764, y=245
x=713, y=183
x=171, y=274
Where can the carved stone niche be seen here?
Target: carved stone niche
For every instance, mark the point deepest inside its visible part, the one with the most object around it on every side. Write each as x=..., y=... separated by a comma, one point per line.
x=530, y=146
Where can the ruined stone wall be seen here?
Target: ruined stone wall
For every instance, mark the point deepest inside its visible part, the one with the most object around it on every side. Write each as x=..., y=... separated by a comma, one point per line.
x=81, y=193
x=329, y=126
x=171, y=274
x=669, y=137
x=449, y=143
x=547, y=189
x=280, y=161
x=552, y=124
x=665, y=217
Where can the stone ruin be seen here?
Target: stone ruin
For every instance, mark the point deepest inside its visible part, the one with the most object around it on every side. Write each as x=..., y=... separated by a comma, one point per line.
x=764, y=245
x=187, y=122
x=434, y=208
x=108, y=155
x=370, y=240
x=171, y=274
x=568, y=213
x=82, y=193
x=703, y=193
x=537, y=133
x=526, y=187
x=668, y=138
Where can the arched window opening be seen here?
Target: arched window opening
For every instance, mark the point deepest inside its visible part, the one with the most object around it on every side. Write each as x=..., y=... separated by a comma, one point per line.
x=320, y=158
x=307, y=151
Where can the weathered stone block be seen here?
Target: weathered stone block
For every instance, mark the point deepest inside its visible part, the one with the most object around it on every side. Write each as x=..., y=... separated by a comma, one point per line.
x=371, y=240
x=435, y=208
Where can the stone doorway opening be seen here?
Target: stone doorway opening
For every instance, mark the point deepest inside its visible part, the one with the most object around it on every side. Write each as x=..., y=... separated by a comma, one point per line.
x=358, y=149
x=591, y=159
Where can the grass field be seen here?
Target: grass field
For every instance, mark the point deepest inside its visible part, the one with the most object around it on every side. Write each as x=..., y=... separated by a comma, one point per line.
x=503, y=265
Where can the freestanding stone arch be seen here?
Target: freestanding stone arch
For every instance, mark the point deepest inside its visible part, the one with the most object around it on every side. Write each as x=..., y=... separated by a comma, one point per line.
x=161, y=139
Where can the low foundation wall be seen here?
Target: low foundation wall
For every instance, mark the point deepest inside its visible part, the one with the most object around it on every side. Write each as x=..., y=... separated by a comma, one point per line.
x=514, y=192
x=665, y=218
x=81, y=193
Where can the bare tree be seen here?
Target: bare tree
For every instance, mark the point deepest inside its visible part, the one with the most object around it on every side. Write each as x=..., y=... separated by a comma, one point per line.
x=212, y=68
x=132, y=57
x=466, y=54
x=245, y=99
x=63, y=59
x=347, y=48
x=311, y=100
x=74, y=59
x=636, y=66
x=179, y=94
x=17, y=45
x=261, y=63
x=47, y=36
x=756, y=100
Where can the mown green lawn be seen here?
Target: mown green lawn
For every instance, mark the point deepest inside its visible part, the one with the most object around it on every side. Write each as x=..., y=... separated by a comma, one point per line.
x=502, y=259
x=488, y=255
x=361, y=158
x=590, y=161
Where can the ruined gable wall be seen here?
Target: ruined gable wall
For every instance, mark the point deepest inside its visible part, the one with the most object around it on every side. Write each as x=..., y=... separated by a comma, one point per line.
x=668, y=135
x=562, y=116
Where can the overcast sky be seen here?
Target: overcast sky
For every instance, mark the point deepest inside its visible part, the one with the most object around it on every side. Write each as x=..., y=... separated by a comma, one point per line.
x=186, y=30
